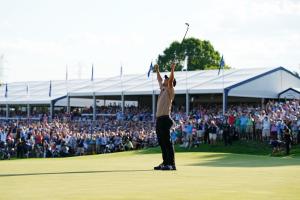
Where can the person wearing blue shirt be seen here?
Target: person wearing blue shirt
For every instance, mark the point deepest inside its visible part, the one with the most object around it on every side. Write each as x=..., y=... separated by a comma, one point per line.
x=243, y=125
x=279, y=128
x=173, y=136
x=189, y=134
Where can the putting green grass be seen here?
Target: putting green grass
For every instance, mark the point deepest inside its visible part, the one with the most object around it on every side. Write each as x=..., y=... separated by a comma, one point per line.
x=129, y=175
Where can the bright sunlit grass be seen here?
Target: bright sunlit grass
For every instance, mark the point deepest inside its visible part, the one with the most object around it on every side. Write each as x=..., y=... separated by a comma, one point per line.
x=129, y=175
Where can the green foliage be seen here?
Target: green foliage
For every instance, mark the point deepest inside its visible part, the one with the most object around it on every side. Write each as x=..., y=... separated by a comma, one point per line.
x=201, y=55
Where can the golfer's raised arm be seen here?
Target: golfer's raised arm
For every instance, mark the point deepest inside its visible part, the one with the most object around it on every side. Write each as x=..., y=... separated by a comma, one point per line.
x=159, y=79
x=171, y=79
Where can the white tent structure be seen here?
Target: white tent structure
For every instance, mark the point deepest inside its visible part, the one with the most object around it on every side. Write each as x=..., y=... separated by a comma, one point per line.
x=247, y=82
x=290, y=93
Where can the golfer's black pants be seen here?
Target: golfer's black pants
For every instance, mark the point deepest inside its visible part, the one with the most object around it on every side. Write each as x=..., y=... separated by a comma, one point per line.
x=163, y=125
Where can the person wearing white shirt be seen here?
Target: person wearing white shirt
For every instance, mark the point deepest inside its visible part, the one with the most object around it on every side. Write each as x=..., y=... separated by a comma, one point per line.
x=3, y=136
x=266, y=128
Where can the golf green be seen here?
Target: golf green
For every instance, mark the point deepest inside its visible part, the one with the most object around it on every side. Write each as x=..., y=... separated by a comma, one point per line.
x=129, y=175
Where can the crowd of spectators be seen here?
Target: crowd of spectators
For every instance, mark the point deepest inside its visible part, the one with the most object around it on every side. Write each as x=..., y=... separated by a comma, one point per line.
x=275, y=123
x=60, y=139
x=75, y=134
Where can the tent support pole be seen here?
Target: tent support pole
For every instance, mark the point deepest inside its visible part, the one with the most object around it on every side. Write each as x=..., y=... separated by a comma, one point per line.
x=68, y=104
x=28, y=111
x=153, y=105
x=225, y=101
x=187, y=103
x=7, y=111
x=94, y=107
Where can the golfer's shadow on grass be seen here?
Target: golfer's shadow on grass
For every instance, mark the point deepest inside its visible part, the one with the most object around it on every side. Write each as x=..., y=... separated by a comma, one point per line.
x=74, y=172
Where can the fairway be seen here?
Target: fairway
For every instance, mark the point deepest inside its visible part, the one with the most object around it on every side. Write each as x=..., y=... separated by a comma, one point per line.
x=129, y=175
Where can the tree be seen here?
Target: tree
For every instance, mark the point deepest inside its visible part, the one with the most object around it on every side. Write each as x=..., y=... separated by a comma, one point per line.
x=201, y=55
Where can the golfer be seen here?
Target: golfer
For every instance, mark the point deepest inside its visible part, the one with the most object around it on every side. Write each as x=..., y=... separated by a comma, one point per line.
x=163, y=119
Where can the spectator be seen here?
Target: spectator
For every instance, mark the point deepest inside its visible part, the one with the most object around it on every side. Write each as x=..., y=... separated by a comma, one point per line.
x=213, y=132
x=188, y=129
x=173, y=136
x=226, y=133
x=287, y=140
x=243, y=122
x=266, y=128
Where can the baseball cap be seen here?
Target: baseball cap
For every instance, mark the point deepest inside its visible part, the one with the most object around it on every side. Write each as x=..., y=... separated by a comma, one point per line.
x=174, y=81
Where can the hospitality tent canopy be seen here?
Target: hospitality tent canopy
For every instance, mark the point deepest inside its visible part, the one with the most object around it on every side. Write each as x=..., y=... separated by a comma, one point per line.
x=246, y=82
x=290, y=93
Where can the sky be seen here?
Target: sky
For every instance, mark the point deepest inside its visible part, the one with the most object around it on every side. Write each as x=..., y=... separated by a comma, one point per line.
x=40, y=39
